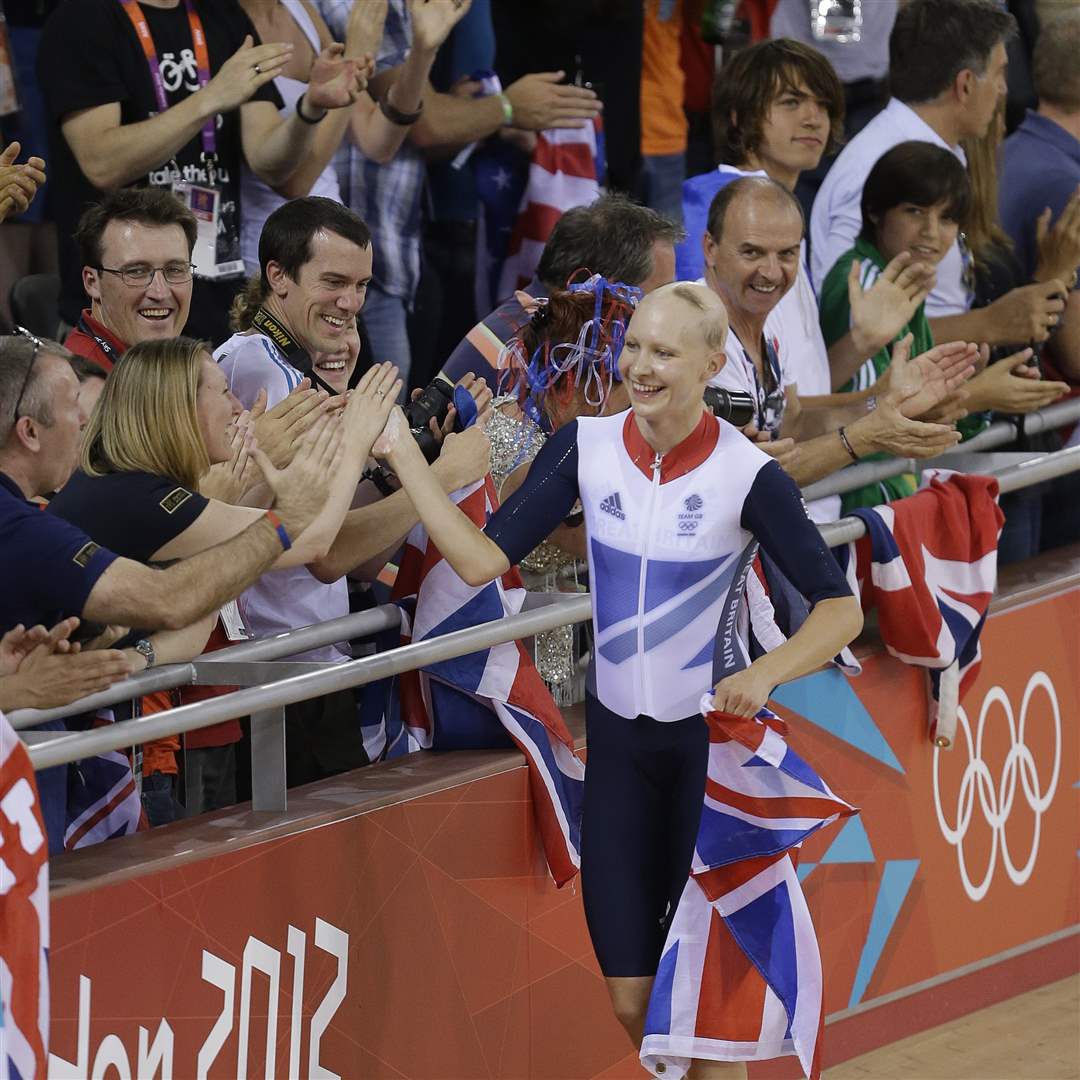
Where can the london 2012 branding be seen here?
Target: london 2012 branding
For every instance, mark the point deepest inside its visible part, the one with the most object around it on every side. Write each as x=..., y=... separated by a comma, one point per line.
x=156, y=1050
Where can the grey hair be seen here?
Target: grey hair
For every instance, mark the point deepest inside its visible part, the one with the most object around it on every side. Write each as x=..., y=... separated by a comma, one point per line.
x=612, y=236
x=1054, y=67
x=16, y=354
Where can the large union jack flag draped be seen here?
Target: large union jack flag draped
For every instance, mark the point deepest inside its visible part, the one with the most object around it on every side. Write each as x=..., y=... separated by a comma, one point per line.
x=740, y=975
x=24, y=916
x=492, y=697
x=928, y=564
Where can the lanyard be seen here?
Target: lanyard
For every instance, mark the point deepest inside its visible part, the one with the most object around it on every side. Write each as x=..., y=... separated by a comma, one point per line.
x=773, y=400
x=202, y=62
x=111, y=354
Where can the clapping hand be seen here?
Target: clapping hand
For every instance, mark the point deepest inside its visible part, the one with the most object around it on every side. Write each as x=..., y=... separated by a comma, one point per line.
x=278, y=431
x=879, y=313
x=249, y=68
x=18, y=183
x=915, y=385
x=432, y=21
x=301, y=489
x=1059, y=247
x=336, y=81
x=369, y=406
x=364, y=31
x=44, y=669
x=1011, y=386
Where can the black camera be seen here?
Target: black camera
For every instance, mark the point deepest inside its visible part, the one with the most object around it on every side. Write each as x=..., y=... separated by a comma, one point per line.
x=735, y=406
x=433, y=404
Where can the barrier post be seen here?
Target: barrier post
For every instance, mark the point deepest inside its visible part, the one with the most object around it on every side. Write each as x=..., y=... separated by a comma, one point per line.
x=268, y=760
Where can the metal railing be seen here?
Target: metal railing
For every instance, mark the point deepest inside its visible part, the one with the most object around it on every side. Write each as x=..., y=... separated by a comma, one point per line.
x=209, y=669
x=285, y=684
x=999, y=433
x=266, y=704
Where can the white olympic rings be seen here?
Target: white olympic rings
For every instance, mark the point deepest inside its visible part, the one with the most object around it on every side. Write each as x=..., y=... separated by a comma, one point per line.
x=996, y=803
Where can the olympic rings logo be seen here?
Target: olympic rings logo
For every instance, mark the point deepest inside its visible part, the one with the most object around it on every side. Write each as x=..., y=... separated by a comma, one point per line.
x=996, y=802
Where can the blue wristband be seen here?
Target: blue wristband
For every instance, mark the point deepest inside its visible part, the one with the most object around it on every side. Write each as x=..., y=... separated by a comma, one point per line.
x=283, y=536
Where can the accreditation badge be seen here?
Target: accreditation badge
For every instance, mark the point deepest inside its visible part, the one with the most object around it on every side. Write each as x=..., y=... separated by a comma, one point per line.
x=205, y=203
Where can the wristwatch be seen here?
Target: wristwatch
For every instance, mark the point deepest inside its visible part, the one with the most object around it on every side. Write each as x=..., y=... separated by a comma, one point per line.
x=145, y=648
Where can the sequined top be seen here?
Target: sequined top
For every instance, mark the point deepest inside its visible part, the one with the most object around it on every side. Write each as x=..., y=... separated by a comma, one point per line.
x=516, y=440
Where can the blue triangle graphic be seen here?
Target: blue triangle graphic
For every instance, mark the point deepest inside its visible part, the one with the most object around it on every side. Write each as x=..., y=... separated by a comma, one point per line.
x=895, y=883
x=826, y=699
x=803, y=870
x=851, y=845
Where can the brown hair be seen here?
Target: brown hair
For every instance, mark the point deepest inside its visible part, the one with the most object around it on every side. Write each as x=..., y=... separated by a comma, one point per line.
x=982, y=229
x=748, y=84
x=145, y=206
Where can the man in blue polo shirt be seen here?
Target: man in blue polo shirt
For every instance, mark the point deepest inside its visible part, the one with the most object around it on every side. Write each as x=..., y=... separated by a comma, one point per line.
x=1041, y=168
x=52, y=570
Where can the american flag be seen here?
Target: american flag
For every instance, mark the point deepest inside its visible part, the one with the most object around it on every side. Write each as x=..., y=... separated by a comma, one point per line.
x=491, y=697
x=740, y=975
x=928, y=564
x=24, y=916
x=518, y=213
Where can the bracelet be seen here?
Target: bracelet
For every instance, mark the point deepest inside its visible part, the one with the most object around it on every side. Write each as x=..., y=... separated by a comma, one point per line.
x=396, y=116
x=508, y=109
x=283, y=536
x=847, y=444
x=871, y=402
x=300, y=111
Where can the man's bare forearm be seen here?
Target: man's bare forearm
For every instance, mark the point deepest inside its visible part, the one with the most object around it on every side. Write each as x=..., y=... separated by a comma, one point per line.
x=118, y=154
x=449, y=121
x=366, y=533
x=131, y=594
x=279, y=151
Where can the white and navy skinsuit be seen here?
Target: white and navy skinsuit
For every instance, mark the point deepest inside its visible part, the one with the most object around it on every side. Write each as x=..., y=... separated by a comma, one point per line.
x=671, y=538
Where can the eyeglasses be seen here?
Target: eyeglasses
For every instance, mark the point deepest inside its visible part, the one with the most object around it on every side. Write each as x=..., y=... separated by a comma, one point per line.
x=38, y=343
x=138, y=277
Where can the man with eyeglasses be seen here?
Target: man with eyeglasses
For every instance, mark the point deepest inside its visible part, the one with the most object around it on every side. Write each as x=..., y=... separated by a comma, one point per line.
x=136, y=249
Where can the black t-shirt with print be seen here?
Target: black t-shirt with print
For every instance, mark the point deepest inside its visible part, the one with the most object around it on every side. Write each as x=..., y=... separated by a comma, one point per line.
x=90, y=56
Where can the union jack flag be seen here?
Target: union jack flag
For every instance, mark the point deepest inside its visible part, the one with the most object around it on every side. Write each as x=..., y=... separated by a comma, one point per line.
x=24, y=916
x=491, y=697
x=740, y=975
x=102, y=799
x=90, y=800
x=929, y=565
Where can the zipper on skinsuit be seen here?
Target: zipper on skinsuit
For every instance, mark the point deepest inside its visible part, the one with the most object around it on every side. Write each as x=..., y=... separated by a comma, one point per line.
x=643, y=701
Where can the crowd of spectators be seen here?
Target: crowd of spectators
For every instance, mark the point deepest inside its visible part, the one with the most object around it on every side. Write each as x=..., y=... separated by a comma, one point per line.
x=255, y=226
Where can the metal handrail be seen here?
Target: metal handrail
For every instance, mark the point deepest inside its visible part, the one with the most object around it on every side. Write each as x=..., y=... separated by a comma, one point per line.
x=171, y=676
x=77, y=745
x=64, y=748
x=997, y=434
x=1011, y=478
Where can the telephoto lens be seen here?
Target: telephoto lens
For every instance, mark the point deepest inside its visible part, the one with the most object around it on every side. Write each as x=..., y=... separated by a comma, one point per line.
x=735, y=406
x=433, y=403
